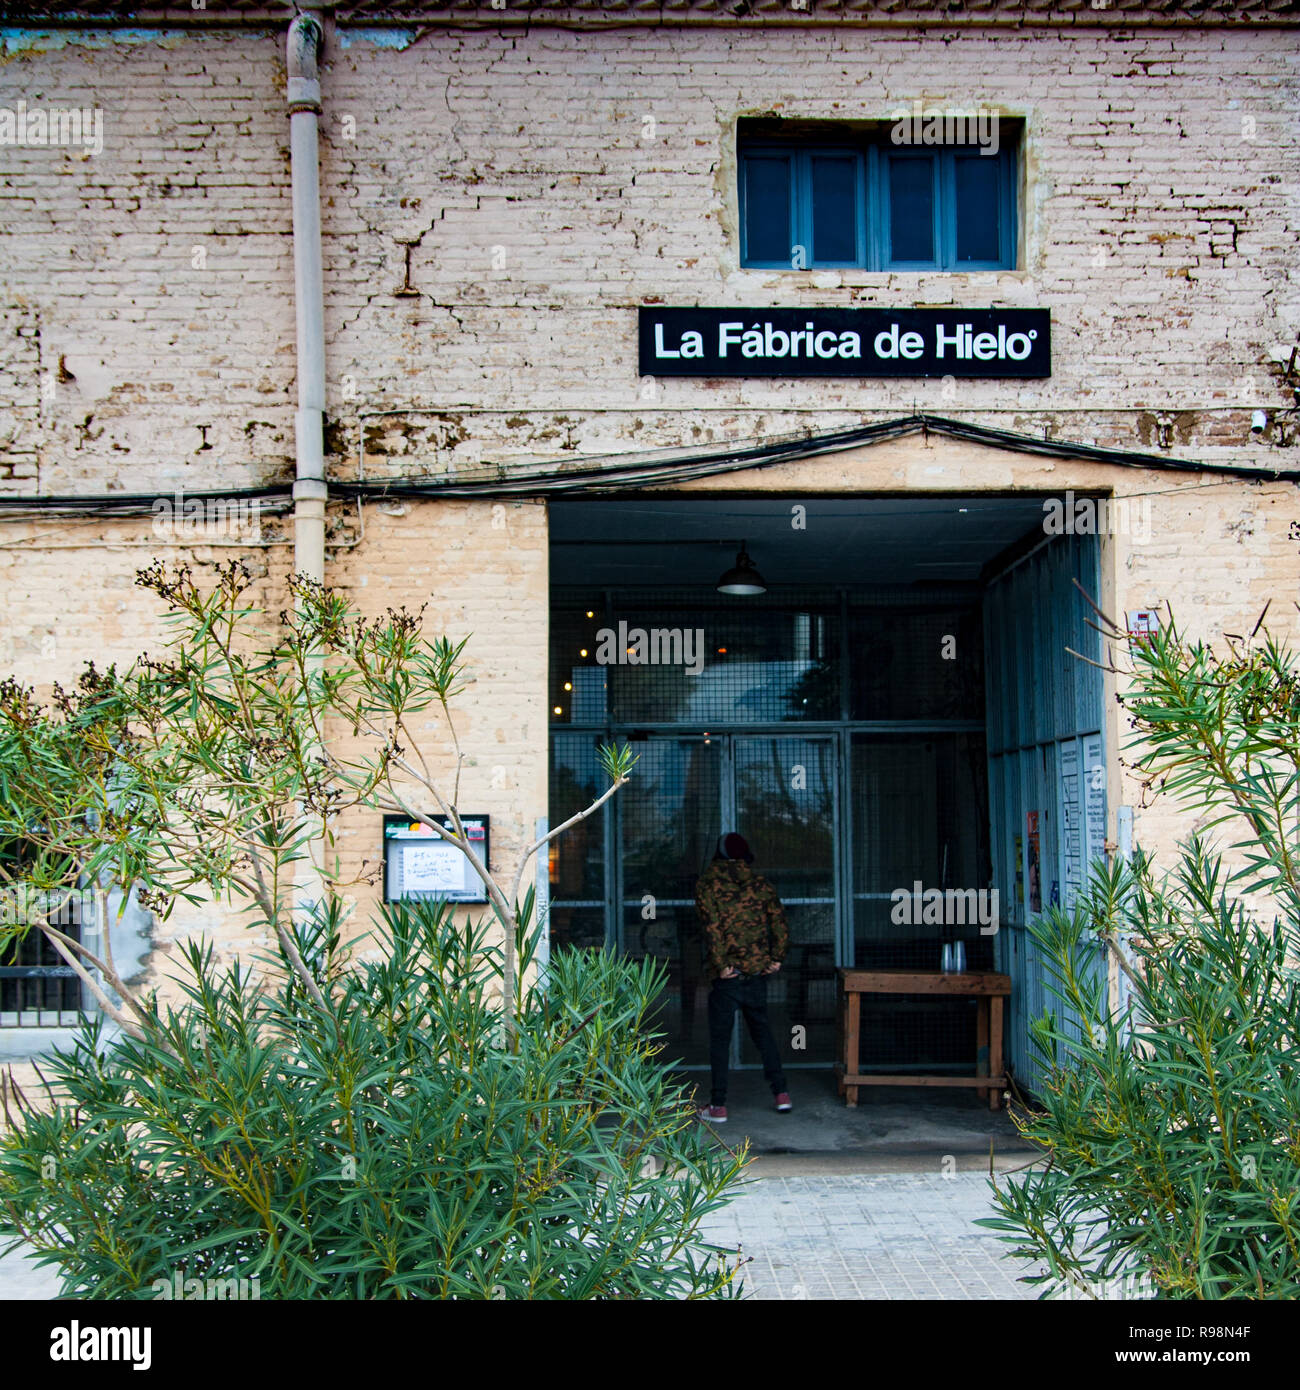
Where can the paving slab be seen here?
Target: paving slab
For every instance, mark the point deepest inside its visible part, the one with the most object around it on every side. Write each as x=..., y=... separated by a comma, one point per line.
x=868, y=1236
x=819, y=1236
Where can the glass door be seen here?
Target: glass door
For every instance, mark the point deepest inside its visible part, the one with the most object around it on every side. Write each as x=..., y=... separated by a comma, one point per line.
x=627, y=879
x=579, y=859
x=917, y=805
x=783, y=791
x=670, y=817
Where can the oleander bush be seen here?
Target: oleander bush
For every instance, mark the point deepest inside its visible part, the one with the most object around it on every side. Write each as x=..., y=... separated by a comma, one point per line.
x=1170, y=1126
x=387, y=1146
x=442, y=1115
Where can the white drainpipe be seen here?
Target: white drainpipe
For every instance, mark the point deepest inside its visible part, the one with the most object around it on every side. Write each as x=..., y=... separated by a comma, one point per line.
x=303, y=45
x=309, y=491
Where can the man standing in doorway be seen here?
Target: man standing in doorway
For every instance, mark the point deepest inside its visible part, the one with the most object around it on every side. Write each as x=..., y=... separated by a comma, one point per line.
x=746, y=938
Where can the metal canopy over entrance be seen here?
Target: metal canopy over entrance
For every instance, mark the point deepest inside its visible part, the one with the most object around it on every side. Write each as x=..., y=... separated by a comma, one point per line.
x=843, y=721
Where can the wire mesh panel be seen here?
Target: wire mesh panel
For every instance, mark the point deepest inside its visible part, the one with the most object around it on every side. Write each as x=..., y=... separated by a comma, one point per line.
x=919, y=824
x=918, y=808
x=785, y=798
x=695, y=657
x=918, y=1033
x=579, y=687
x=670, y=819
x=916, y=663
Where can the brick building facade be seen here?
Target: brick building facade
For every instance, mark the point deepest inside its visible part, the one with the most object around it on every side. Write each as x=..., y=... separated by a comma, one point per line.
x=502, y=189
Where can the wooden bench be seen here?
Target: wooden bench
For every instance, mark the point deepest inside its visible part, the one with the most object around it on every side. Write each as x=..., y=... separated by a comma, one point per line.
x=988, y=988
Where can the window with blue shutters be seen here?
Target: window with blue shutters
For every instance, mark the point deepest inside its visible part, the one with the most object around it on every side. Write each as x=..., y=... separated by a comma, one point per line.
x=866, y=203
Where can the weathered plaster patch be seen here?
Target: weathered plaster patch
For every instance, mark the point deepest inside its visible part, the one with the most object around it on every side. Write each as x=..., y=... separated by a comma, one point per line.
x=20, y=43
x=377, y=38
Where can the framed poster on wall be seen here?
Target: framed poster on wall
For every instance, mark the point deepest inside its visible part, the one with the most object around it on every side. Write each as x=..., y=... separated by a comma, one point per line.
x=418, y=863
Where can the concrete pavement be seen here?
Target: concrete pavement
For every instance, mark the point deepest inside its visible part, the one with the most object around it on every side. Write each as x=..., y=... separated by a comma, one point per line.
x=867, y=1236
x=22, y=1278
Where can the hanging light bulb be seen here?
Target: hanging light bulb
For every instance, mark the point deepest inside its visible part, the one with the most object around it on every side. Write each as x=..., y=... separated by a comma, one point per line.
x=742, y=579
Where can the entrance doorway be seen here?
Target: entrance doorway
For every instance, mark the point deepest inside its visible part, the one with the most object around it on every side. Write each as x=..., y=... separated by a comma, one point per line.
x=840, y=721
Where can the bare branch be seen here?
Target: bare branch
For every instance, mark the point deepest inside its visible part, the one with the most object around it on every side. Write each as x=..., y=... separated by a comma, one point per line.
x=1110, y=941
x=1115, y=628
x=1114, y=670
x=299, y=967
x=57, y=940
x=560, y=829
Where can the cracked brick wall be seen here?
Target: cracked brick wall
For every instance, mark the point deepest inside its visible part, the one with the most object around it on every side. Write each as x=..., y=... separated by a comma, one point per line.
x=20, y=356
x=495, y=205
x=161, y=268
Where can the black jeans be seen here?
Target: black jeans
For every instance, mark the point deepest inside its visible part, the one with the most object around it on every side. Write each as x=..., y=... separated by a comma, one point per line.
x=748, y=993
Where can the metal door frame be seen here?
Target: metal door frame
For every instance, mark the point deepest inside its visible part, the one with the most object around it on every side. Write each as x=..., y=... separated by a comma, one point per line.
x=616, y=900
x=840, y=850
x=840, y=730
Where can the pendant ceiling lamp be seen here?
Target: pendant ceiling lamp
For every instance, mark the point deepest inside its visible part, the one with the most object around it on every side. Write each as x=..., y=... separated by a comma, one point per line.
x=742, y=579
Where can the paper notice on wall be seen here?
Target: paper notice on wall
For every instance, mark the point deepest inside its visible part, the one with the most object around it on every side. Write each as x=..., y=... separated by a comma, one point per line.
x=1034, y=869
x=432, y=869
x=1095, y=797
x=1072, y=827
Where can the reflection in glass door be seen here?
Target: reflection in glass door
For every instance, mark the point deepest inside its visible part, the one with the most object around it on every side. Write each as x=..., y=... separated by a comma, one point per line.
x=669, y=818
x=784, y=791
x=658, y=836
x=579, y=858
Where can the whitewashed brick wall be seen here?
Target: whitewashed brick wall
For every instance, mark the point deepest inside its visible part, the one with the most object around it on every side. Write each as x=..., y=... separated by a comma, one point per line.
x=147, y=317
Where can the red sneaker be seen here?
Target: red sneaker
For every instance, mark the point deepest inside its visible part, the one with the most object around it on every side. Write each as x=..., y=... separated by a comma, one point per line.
x=715, y=1114
x=783, y=1101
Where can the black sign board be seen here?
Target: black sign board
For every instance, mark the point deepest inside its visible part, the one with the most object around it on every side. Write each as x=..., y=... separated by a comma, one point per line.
x=845, y=342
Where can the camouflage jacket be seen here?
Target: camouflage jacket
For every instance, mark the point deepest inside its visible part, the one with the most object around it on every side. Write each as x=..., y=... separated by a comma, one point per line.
x=743, y=921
